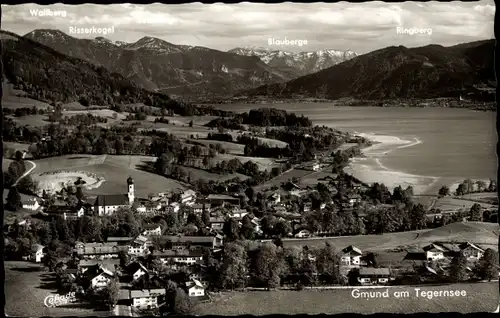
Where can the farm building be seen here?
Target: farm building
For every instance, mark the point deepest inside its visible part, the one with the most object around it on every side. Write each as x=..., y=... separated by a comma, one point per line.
x=146, y=299
x=151, y=229
x=374, y=276
x=351, y=256
x=31, y=204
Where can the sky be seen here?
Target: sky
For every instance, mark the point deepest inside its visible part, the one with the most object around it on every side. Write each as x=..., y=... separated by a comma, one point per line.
x=360, y=27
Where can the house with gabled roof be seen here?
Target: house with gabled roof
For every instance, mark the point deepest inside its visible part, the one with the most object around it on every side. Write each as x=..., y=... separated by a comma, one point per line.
x=374, y=276
x=98, y=276
x=434, y=252
x=147, y=298
x=351, y=256
x=151, y=230
x=471, y=251
x=195, y=288
x=136, y=270
x=37, y=253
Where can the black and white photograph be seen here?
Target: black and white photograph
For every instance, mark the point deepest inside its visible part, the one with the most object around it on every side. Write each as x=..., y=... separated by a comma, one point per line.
x=249, y=159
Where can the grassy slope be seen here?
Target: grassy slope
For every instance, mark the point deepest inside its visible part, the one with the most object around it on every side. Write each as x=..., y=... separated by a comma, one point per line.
x=476, y=232
x=480, y=297
x=26, y=288
x=114, y=169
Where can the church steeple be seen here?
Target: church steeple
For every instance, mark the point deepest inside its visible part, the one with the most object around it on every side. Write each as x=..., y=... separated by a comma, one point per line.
x=131, y=191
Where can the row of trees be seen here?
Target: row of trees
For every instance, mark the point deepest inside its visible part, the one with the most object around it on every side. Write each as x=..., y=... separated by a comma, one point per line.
x=468, y=186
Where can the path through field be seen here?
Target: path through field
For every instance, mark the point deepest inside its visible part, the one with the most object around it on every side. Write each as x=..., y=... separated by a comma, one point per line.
x=33, y=166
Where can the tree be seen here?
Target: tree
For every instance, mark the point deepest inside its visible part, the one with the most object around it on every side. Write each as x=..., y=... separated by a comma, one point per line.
x=28, y=185
x=353, y=276
x=231, y=229
x=282, y=228
x=475, y=212
x=234, y=270
x=124, y=258
x=182, y=303
x=487, y=267
x=458, y=269
x=110, y=294
x=371, y=259
x=328, y=263
x=269, y=265
x=13, y=202
x=461, y=189
x=444, y=191
x=247, y=229
x=418, y=217
x=191, y=123
x=50, y=260
x=481, y=185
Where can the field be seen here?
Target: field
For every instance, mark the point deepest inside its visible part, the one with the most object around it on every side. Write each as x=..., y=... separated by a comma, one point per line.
x=27, y=285
x=294, y=173
x=31, y=120
x=13, y=98
x=202, y=174
x=263, y=163
x=231, y=147
x=114, y=169
x=485, y=234
x=452, y=204
x=481, y=297
x=313, y=178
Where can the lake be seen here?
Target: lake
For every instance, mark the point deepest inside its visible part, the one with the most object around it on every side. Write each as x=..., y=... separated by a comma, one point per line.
x=424, y=147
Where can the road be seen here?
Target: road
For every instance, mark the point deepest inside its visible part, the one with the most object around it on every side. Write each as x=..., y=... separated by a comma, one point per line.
x=33, y=166
x=123, y=306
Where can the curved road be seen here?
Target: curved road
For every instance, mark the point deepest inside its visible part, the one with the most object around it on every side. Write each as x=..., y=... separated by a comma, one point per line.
x=33, y=166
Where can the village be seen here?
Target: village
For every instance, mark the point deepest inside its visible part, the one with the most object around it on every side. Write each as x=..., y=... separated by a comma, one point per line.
x=141, y=265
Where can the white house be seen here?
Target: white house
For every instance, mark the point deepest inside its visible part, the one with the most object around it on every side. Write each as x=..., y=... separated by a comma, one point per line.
x=173, y=207
x=108, y=204
x=37, y=253
x=374, y=276
x=186, y=257
x=434, y=252
x=314, y=166
x=136, y=270
x=146, y=299
x=307, y=206
x=195, y=288
x=303, y=233
x=188, y=197
x=139, y=246
x=351, y=256
x=274, y=198
x=151, y=230
x=471, y=251
x=99, y=276
x=31, y=204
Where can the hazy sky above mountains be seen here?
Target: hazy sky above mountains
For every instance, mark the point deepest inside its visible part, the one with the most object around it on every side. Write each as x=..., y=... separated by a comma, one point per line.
x=361, y=27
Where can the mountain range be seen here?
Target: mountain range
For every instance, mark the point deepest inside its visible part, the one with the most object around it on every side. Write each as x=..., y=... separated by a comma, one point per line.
x=398, y=72
x=301, y=63
x=51, y=76
x=184, y=70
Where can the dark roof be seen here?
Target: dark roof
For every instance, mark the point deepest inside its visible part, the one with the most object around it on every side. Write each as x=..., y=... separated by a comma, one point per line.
x=151, y=226
x=192, y=239
x=221, y=197
x=369, y=271
x=130, y=180
x=134, y=267
x=171, y=253
x=433, y=246
x=97, y=270
x=60, y=209
x=350, y=249
x=120, y=239
x=112, y=199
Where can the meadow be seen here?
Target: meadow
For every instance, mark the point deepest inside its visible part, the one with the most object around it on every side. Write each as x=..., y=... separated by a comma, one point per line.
x=480, y=297
x=114, y=169
x=26, y=286
x=484, y=234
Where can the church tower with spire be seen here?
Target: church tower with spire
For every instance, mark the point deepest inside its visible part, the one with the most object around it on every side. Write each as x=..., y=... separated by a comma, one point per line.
x=131, y=191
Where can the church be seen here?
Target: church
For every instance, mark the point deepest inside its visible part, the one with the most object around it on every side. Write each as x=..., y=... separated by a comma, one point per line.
x=108, y=204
